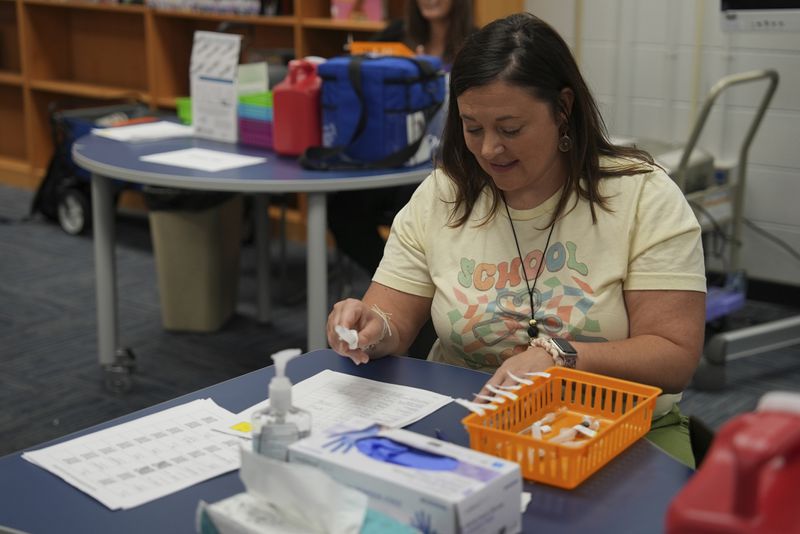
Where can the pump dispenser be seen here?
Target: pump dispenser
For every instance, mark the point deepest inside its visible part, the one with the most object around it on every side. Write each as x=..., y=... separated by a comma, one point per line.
x=280, y=424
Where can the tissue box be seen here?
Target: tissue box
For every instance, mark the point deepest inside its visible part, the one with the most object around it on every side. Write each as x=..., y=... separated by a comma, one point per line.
x=432, y=485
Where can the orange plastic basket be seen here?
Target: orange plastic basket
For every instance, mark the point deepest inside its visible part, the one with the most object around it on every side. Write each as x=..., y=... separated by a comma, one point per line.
x=623, y=409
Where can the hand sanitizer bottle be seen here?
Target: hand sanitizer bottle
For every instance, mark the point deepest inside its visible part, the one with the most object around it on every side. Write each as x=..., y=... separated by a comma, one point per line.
x=280, y=424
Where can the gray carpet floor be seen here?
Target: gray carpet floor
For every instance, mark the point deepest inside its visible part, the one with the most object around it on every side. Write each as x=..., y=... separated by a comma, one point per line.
x=50, y=380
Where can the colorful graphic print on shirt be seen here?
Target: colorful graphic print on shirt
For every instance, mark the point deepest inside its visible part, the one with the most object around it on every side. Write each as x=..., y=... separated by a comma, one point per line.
x=491, y=323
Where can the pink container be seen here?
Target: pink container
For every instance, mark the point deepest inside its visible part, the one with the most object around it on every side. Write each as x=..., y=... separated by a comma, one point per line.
x=256, y=133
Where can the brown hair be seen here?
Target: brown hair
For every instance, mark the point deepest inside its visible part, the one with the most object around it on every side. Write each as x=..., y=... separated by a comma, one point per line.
x=418, y=28
x=524, y=51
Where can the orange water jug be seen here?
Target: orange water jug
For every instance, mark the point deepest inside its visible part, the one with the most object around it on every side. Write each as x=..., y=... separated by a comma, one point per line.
x=296, y=109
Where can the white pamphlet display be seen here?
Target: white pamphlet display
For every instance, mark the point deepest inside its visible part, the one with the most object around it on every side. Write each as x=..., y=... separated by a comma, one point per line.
x=215, y=58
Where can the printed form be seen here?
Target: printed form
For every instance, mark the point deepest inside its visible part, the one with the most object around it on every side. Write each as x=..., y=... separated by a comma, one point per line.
x=139, y=461
x=333, y=398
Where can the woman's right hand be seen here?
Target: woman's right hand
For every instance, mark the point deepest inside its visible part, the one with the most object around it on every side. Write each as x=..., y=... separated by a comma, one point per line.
x=355, y=315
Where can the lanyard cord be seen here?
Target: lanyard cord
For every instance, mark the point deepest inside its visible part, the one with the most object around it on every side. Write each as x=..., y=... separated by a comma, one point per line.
x=533, y=329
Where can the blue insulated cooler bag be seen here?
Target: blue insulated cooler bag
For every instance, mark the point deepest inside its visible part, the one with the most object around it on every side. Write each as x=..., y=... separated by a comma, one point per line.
x=377, y=112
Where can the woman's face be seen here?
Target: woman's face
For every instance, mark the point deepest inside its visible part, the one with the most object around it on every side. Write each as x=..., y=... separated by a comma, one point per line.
x=435, y=9
x=514, y=137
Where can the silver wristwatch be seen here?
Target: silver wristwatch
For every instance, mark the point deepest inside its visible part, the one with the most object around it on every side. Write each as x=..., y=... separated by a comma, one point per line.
x=567, y=352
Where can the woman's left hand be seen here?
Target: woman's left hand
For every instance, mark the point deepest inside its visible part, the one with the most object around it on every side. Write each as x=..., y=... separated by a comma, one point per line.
x=532, y=360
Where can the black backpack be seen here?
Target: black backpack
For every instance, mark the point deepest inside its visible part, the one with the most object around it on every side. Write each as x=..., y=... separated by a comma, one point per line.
x=64, y=195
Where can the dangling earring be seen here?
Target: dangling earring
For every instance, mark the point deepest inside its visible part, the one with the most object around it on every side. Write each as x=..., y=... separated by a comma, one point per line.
x=565, y=142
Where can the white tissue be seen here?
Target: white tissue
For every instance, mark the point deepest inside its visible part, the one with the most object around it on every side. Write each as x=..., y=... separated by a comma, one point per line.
x=348, y=336
x=288, y=498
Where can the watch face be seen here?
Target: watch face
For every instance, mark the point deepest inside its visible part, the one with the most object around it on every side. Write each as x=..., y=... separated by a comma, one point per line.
x=564, y=346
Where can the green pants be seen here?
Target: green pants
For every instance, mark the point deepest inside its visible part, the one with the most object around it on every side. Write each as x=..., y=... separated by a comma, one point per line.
x=670, y=433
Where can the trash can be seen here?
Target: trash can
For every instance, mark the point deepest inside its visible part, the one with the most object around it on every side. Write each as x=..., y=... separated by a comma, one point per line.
x=197, y=243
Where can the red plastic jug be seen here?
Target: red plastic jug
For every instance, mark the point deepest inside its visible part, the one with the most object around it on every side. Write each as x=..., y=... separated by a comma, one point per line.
x=297, y=109
x=749, y=482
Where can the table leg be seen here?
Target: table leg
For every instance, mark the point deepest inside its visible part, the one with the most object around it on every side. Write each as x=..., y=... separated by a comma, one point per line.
x=261, y=223
x=105, y=269
x=317, y=272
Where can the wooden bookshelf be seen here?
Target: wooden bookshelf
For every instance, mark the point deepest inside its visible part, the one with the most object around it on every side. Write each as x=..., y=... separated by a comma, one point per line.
x=14, y=164
x=83, y=53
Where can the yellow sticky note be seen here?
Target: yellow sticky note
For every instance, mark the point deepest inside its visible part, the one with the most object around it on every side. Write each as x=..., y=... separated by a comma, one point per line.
x=244, y=426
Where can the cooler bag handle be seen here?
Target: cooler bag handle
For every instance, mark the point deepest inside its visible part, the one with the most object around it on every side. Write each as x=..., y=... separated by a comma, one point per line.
x=332, y=158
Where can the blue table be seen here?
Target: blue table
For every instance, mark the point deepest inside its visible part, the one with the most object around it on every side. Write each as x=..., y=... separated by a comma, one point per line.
x=630, y=494
x=107, y=159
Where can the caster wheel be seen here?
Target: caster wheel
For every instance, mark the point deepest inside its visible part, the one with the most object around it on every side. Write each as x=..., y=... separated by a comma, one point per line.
x=125, y=358
x=74, y=212
x=118, y=379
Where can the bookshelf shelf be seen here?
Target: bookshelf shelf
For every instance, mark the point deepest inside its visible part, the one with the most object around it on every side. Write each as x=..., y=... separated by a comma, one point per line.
x=10, y=78
x=276, y=20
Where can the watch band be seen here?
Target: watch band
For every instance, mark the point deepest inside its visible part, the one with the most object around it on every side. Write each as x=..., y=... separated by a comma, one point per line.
x=561, y=350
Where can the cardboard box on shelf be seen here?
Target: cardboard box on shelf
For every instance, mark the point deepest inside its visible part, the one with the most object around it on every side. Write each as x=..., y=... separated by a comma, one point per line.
x=358, y=10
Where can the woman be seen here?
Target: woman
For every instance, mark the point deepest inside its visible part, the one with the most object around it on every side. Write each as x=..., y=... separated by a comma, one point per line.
x=537, y=227
x=432, y=27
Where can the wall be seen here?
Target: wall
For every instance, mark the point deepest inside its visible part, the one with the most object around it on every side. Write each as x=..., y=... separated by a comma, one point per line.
x=650, y=64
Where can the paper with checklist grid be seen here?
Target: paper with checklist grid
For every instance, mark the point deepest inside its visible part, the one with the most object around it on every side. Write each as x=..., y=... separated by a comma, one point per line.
x=333, y=398
x=136, y=462
x=139, y=461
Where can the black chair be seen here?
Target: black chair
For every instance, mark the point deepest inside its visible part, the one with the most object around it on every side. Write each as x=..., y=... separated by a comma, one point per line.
x=700, y=437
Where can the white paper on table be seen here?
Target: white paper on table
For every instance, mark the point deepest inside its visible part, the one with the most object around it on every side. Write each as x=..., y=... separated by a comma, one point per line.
x=148, y=131
x=203, y=159
x=139, y=461
x=334, y=398
x=212, y=78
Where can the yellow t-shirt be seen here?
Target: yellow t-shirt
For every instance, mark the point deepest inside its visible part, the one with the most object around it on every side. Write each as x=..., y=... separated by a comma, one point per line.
x=648, y=239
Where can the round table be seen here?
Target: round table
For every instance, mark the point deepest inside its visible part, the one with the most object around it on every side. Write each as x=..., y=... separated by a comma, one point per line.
x=109, y=159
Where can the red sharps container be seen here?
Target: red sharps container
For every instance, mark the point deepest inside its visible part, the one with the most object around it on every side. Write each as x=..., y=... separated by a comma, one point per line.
x=749, y=482
x=296, y=109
